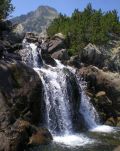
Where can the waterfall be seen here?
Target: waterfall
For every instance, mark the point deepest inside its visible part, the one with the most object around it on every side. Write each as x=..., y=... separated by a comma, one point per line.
x=87, y=109
x=56, y=97
x=57, y=100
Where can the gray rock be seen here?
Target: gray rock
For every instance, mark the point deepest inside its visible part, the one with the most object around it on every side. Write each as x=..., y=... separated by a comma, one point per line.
x=56, y=43
x=99, y=80
x=92, y=55
x=61, y=55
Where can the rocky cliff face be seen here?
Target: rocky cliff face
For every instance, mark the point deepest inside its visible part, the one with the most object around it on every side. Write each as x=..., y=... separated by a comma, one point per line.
x=21, y=96
x=38, y=20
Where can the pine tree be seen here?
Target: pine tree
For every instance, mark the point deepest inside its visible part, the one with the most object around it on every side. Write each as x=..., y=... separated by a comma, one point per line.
x=5, y=8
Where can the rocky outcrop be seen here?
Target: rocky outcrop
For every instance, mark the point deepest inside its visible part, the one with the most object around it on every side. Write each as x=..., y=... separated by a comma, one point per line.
x=56, y=43
x=57, y=48
x=21, y=97
x=61, y=55
x=10, y=39
x=114, y=63
x=40, y=137
x=92, y=55
x=23, y=135
x=38, y=20
x=105, y=90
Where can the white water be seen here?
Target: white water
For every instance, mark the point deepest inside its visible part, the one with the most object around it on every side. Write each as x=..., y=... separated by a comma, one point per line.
x=87, y=110
x=73, y=140
x=57, y=103
x=103, y=129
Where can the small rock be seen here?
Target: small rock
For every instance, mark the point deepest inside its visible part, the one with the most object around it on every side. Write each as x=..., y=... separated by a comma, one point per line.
x=41, y=137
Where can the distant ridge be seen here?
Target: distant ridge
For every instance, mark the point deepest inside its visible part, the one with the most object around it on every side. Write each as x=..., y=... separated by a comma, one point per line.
x=38, y=20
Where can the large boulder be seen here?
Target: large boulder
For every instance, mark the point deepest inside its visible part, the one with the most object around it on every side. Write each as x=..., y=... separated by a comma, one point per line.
x=41, y=137
x=114, y=63
x=91, y=54
x=11, y=37
x=107, y=102
x=56, y=43
x=23, y=135
x=61, y=55
x=31, y=37
x=21, y=96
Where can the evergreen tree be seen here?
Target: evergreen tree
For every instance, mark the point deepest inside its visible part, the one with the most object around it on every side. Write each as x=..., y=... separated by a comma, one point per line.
x=5, y=8
x=89, y=26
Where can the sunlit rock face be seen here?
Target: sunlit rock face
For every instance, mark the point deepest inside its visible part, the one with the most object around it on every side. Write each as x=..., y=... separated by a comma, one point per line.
x=38, y=20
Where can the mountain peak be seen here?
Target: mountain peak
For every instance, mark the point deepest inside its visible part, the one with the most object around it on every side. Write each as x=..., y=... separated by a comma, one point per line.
x=38, y=20
x=47, y=7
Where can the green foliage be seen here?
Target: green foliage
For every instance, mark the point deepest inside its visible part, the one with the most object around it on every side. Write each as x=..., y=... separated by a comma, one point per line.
x=5, y=8
x=84, y=27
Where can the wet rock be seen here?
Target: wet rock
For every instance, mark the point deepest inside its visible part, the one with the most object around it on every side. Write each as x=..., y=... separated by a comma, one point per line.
x=48, y=59
x=111, y=121
x=74, y=99
x=61, y=55
x=98, y=80
x=21, y=135
x=102, y=99
x=118, y=121
x=41, y=137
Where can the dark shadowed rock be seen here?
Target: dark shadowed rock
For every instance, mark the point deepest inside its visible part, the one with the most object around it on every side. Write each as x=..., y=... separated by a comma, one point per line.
x=74, y=96
x=92, y=55
x=41, y=137
x=5, y=25
x=31, y=37
x=114, y=63
x=21, y=96
x=75, y=62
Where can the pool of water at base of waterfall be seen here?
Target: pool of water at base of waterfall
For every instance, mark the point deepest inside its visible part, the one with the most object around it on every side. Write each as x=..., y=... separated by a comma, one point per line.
x=101, y=138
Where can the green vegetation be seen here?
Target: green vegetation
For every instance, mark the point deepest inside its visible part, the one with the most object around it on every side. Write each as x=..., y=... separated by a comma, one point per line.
x=5, y=8
x=89, y=26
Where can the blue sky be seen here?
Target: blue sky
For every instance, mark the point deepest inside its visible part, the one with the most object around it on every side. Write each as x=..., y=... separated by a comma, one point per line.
x=64, y=6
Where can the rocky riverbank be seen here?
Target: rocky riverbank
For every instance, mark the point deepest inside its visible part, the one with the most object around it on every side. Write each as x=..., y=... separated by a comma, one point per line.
x=21, y=90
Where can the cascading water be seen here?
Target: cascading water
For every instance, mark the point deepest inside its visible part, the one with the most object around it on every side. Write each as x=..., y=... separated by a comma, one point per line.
x=58, y=112
x=87, y=109
x=31, y=54
x=57, y=102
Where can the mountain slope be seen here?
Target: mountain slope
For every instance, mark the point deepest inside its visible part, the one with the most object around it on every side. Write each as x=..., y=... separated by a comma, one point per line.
x=38, y=20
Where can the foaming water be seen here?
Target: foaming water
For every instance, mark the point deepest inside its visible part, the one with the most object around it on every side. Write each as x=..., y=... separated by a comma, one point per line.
x=103, y=128
x=56, y=99
x=73, y=140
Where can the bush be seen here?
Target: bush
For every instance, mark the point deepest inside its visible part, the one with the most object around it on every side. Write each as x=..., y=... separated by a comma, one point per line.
x=89, y=26
x=5, y=8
